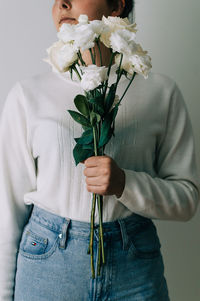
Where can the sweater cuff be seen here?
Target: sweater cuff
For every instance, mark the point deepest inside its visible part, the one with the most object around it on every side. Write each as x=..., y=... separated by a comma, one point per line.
x=131, y=195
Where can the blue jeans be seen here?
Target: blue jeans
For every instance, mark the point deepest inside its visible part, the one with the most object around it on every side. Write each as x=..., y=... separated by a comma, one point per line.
x=53, y=264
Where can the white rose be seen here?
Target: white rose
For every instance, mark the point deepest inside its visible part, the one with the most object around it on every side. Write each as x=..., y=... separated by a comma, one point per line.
x=98, y=27
x=61, y=56
x=84, y=37
x=142, y=64
x=67, y=32
x=86, y=34
x=83, y=34
x=93, y=76
x=126, y=64
x=83, y=19
x=135, y=63
x=123, y=41
x=115, y=23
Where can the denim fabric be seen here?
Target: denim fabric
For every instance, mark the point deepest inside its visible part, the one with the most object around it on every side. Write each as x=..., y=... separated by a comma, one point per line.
x=53, y=264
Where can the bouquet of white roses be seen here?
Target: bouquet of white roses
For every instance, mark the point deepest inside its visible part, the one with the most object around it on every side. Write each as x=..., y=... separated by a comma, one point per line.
x=97, y=109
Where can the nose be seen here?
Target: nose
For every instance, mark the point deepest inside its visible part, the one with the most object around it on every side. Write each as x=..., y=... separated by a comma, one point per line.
x=64, y=4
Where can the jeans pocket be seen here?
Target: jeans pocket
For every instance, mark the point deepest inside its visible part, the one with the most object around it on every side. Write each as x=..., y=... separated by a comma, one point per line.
x=37, y=241
x=144, y=240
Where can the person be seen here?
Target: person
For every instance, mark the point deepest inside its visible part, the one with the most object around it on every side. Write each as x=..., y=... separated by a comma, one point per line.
x=148, y=172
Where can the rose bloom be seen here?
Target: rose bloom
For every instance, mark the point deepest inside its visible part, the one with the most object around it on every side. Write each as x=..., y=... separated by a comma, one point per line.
x=93, y=76
x=113, y=24
x=83, y=34
x=61, y=56
x=136, y=63
x=123, y=41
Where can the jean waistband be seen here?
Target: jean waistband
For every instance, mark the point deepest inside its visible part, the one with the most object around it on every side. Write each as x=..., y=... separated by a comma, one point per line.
x=118, y=229
x=55, y=222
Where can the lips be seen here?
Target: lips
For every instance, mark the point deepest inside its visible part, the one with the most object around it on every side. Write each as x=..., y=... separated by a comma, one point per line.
x=66, y=19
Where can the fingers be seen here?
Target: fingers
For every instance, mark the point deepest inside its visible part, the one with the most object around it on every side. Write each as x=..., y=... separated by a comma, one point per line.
x=97, y=160
x=96, y=189
x=94, y=181
x=91, y=172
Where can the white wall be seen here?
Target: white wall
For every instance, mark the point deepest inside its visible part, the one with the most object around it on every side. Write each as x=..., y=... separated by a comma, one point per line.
x=169, y=30
x=26, y=30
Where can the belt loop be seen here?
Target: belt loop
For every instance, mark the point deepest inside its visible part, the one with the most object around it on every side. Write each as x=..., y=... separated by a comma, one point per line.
x=63, y=234
x=123, y=233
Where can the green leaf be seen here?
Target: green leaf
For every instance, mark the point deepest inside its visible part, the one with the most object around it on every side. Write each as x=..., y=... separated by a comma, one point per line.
x=88, y=146
x=110, y=98
x=79, y=118
x=86, y=128
x=81, y=104
x=98, y=104
x=81, y=154
x=106, y=137
x=97, y=100
x=98, y=93
x=106, y=129
x=86, y=138
x=77, y=139
x=114, y=111
x=94, y=118
x=99, y=110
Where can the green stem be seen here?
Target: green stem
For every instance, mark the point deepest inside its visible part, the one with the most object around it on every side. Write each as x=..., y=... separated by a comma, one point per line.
x=92, y=221
x=108, y=73
x=127, y=88
x=80, y=68
x=92, y=57
x=100, y=201
x=75, y=69
x=81, y=58
x=99, y=256
x=101, y=62
x=95, y=141
x=90, y=250
x=120, y=71
x=118, y=79
x=100, y=205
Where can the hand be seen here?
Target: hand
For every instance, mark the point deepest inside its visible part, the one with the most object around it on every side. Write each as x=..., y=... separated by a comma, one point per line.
x=103, y=176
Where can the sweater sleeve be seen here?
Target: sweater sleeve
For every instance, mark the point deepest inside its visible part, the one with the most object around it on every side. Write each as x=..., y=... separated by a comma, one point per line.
x=17, y=176
x=173, y=194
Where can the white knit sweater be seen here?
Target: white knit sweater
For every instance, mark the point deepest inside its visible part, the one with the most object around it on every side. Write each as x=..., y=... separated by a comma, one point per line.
x=153, y=144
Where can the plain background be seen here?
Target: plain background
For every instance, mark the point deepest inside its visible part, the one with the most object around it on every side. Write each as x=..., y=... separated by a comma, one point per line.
x=169, y=30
